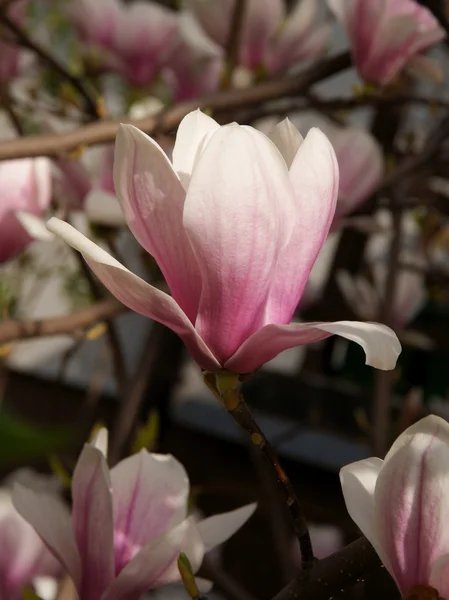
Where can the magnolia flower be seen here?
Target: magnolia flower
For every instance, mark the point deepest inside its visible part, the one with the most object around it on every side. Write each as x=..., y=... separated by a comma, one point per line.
x=196, y=64
x=235, y=225
x=138, y=37
x=25, y=190
x=128, y=524
x=360, y=161
x=399, y=504
x=270, y=37
x=388, y=35
x=23, y=556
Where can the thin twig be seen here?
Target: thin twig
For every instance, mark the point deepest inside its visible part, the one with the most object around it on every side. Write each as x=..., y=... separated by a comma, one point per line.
x=25, y=40
x=384, y=379
x=234, y=42
x=77, y=321
x=220, y=103
x=240, y=412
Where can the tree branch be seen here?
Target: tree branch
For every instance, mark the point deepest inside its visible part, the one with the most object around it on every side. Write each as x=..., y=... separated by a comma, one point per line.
x=13, y=330
x=218, y=103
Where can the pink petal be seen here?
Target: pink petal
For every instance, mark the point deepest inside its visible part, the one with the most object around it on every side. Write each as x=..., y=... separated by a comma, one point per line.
x=136, y=293
x=156, y=564
x=51, y=520
x=239, y=216
x=411, y=501
x=214, y=17
x=93, y=522
x=314, y=178
x=439, y=576
x=379, y=342
x=287, y=140
x=150, y=494
x=194, y=132
x=262, y=18
x=218, y=529
x=152, y=199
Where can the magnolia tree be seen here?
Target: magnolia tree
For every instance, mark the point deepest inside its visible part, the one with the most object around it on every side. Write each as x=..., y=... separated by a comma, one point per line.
x=267, y=201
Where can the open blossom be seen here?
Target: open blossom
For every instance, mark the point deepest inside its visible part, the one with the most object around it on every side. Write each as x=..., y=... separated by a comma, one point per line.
x=270, y=38
x=359, y=157
x=23, y=556
x=401, y=505
x=128, y=525
x=138, y=37
x=235, y=225
x=25, y=190
x=388, y=35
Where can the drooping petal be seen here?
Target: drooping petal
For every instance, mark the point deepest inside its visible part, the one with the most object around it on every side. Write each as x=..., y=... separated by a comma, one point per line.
x=287, y=139
x=136, y=293
x=358, y=482
x=194, y=132
x=380, y=343
x=411, y=501
x=51, y=520
x=93, y=521
x=150, y=494
x=152, y=200
x=239, y=216
x=314, y=178
x=218, y=529
x=156, y=564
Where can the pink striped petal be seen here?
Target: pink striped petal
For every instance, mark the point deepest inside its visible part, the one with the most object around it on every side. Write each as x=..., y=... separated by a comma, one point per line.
x=152, y=200
x=239, y=217
x=314, y=177
x=136, y=293
x=380, y=343
x=218, y=529
x=156, y=564
x=51, y=520
x=194, y=132
x=150, y=494
x=93, y=522
x=411, y=501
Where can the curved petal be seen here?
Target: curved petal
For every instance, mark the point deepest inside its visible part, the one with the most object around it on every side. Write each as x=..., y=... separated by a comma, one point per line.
x=439, y=576
x=51, y=520
x=314, y=178
x=415, y=479
x=379, y=342
x=218, y=529
x=34, y=226
x=150, y=494
x=194, y=132
x=136, y=293
x=287, y=139
x=358, y=483
x=152, y=200
x=156, y=564
x=238, y=215
x=93, y=521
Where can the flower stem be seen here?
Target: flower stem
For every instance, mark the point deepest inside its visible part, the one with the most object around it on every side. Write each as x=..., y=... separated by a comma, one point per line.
x=238, y=409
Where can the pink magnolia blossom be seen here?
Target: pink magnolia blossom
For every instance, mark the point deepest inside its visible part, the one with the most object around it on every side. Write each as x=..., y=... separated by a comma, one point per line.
x=138, y=37
x=11, y=54
x=23, y=556
x=360, y=161
x=235, y=224
x=25, y=190
x=270, y=38
x=388, y=35
x=400, y=505
x=128, y=525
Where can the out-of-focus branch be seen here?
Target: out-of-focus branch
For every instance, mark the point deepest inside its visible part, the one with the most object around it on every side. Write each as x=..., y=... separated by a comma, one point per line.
x=25, y=40
x=70, y=324
x=234, y=42
x=220, y=103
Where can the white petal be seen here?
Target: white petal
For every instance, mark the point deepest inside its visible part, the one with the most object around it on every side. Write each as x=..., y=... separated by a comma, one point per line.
x=218, y=529
x=287, y=139
x=34, y=226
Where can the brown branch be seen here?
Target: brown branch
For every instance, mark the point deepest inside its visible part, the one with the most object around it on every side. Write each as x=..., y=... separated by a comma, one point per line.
x=13, y=330
x=218, y=103
x=234, y=41
x=24, y=40
x=237, y=408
